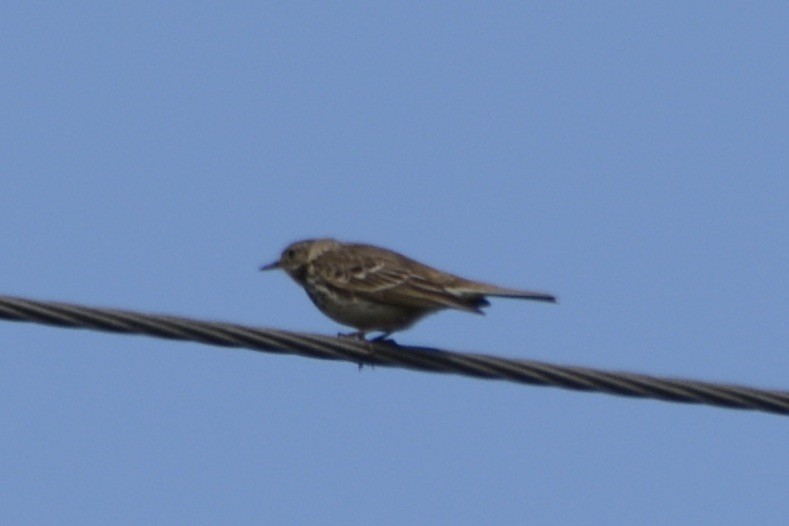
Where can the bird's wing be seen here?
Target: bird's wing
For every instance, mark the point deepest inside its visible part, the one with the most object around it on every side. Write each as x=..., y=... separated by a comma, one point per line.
x=385, y=280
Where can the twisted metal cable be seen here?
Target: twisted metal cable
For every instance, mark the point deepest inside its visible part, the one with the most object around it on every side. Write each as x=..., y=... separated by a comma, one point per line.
x=392, y=355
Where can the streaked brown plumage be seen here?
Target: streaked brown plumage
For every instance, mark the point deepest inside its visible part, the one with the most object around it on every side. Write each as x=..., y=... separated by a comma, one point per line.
x=375, y=289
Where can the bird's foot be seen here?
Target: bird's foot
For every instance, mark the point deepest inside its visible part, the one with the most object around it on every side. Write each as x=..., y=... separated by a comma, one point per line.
x=362, y=337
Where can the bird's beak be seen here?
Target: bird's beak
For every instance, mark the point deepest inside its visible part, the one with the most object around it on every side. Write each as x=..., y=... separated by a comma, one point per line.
x=270, y=266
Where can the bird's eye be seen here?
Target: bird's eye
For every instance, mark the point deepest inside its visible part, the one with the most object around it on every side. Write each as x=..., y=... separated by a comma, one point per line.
x=290, y=254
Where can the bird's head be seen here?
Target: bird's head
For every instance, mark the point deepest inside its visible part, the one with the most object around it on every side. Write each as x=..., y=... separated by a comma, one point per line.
x=296, y=256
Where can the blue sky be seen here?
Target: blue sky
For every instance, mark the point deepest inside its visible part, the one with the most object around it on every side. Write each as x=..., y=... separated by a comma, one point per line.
x=630, y=157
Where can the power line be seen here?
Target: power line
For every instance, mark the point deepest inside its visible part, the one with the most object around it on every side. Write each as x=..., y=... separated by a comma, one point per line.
x=389, y=355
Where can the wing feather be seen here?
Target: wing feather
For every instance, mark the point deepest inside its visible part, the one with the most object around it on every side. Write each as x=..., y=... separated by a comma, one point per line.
x=386, y=280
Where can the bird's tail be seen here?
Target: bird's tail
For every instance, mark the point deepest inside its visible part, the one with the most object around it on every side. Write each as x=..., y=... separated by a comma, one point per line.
x=503, y=292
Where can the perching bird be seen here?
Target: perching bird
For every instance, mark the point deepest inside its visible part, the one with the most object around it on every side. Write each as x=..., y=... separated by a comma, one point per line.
x=375, y=289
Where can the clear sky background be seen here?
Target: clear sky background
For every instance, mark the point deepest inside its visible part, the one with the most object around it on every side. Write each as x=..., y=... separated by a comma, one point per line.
x=630, y=157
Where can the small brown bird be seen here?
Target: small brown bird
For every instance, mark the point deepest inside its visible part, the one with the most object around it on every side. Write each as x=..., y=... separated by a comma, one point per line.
x=375, y=289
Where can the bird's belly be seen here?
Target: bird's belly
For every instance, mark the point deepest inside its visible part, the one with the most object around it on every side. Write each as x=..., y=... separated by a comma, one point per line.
x=366, y=315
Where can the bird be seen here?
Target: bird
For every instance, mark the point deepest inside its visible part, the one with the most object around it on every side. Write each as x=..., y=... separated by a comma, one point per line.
x=373, y=289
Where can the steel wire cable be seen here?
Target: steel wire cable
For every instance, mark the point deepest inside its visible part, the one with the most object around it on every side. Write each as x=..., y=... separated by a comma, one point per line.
x=392, y=355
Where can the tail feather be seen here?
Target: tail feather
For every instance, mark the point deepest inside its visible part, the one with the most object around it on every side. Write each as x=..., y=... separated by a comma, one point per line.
x=524, y=294
x=502, y=292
